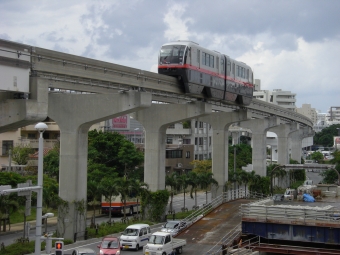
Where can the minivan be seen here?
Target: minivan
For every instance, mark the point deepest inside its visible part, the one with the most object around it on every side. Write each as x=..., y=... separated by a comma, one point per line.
x=135, y=236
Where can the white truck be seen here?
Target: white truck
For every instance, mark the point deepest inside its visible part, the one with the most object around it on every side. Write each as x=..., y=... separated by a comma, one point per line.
x=162, y=243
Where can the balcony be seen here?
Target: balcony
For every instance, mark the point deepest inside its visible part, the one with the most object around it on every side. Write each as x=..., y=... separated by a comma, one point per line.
x=34, y=143
x=52, y=126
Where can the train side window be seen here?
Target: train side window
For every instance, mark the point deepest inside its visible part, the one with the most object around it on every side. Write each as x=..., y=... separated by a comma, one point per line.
x=247, y=74
x=207, y=59
x=222, y=64
x=211, y=64
x=234, y=68
x=198, y=56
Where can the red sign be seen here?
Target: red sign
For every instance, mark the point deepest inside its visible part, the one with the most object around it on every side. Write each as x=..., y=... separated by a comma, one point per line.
x=121, y=123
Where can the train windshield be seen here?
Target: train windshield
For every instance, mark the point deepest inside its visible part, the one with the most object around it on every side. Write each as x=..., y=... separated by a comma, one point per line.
x=172, y=54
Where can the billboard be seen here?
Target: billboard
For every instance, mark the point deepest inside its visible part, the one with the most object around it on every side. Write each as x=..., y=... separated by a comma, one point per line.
x=121, y=123
x=336, y=142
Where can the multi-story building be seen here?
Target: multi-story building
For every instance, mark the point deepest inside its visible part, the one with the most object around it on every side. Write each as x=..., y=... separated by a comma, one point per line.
x=285, y=99
x=309, y=112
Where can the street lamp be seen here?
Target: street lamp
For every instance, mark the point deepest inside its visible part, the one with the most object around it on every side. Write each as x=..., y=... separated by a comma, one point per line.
x=134, y=135
x=47, y=215
x=41, y=127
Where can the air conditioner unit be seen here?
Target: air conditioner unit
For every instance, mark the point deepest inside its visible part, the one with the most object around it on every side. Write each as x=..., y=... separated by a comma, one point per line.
x=179, y=165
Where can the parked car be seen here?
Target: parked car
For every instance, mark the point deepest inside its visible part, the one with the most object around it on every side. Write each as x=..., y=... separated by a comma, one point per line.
x=109, y=246
x=83, y=251
x=173, y=226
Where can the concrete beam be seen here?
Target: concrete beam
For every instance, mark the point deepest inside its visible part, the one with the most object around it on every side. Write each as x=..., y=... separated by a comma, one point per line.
x=16, y=113
x=155, y=120
x=74, y=114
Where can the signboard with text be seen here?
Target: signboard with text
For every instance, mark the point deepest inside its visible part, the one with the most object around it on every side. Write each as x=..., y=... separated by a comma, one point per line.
x=336, y=142
x=121, y=123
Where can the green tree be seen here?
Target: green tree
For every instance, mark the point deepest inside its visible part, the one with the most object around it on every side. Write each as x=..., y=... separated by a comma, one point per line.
x=126, y=188
x=51, y=163
x=183, y=181
x=207, y=180
x=129, y=156
x=194, y=182
x=108, y=189
x=318, y=156
x=93, y=193
x=20, y=154
x=202, y=166
x=325, y=137
x=172, y=181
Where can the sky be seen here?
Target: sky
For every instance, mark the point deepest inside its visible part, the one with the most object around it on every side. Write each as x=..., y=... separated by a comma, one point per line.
x=293, y=45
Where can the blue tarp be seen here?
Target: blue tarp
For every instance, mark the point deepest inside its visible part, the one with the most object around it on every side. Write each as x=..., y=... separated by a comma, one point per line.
x=308, y=198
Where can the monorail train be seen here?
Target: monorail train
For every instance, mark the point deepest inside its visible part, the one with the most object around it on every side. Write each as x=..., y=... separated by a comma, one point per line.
x=207, y=72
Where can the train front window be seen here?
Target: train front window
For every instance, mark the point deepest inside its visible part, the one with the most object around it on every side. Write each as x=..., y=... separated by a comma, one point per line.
x=172, y=54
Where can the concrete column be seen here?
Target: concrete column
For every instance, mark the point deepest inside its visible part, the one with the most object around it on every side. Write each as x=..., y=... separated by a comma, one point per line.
x=75, y=114
x=282, y=132
x=17, y=113
x=155, y=120
x=259, y=128
x=220, y=122
x=296, y=138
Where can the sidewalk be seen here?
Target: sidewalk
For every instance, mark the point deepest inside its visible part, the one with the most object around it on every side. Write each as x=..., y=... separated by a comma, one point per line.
x=19, y=227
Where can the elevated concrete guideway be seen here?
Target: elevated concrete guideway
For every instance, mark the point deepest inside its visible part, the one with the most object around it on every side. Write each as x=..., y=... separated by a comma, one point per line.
x=113, y=90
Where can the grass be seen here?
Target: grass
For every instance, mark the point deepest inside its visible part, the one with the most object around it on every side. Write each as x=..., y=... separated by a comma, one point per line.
x=18, y=216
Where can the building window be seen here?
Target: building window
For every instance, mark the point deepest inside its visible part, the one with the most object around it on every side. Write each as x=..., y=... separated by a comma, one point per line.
x=200, y=141
x=200, y=157
x=186, y=141
x=196, y=157
x=201, y=124
x=196, y=139
x=6, y=146
x=187, y=154
x=169, y=140
x=171, y=126
x=173, y=154
x=31, y=136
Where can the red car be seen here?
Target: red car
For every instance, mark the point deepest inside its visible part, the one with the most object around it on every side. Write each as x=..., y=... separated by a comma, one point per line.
x=109, y=246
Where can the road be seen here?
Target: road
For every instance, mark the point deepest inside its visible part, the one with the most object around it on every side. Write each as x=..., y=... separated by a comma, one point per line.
x=178, y=202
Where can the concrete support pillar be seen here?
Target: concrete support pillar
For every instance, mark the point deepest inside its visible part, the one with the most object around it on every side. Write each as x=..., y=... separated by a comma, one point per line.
x=296, y=138
x=259, y=128
x=155, y=120
x=220, y=122
x=17, y=113
x=282, y=132
x=75, y=114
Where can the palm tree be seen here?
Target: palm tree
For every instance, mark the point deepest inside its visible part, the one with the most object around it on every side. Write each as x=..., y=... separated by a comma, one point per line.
x=125, y=188
x=245, y=178
x=140, y=188
x=172, y=181
x=206, y=181
x=7, y=206
x=93, y=192
x=194, y=181
x=108, y=189
x=254, y=180
x=183, y=181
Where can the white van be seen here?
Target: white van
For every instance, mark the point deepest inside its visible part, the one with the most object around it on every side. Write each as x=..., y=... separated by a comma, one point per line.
x=135, y=236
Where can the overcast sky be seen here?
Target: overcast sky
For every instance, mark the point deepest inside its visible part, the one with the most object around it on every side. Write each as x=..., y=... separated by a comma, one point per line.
x=293, y=45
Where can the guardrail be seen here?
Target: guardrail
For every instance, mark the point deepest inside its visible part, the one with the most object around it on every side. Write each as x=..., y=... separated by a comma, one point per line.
x=227, y=196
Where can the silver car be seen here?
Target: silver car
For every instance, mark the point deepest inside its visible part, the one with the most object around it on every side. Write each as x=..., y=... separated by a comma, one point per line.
x=173, y=226
x=83, y=251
